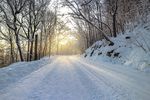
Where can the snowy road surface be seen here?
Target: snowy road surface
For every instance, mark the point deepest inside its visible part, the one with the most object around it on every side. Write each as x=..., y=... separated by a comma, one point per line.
x=73, y=78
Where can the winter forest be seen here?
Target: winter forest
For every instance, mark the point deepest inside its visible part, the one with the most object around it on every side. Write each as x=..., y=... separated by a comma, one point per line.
x=32, y=29
x=74, y=49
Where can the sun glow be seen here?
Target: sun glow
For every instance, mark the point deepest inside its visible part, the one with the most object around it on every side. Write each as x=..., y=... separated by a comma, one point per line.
x=65, y=44
x=64, y=40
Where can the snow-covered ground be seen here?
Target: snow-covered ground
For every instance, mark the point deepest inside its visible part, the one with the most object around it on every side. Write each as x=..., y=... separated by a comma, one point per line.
x=16, y=71
x=73, y=78
x=131, y=49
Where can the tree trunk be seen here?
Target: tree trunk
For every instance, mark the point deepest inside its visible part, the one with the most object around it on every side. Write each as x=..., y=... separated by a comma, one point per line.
x=11, y=50
x=45, y=47
x=32, y=42
x=49, y=46
x=31, y=51
x=28, y=51
x=19, y=48
x=114, y=25
x=57, y=46
x=36, y=47
x=41, y=47
x=114, y=19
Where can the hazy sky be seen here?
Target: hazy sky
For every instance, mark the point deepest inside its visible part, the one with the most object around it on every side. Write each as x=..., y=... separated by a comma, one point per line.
x=63, y=10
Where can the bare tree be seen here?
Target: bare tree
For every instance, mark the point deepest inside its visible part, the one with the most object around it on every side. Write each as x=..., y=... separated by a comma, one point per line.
x=15, y=7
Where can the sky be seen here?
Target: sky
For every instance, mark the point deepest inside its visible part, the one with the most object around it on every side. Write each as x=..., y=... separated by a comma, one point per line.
x=63, y=13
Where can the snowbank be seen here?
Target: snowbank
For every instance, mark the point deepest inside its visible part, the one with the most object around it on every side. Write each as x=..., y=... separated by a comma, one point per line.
x=16, y=71
x=131, y=49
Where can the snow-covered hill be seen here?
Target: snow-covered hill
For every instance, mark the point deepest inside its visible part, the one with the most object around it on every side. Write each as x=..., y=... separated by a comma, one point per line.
x=131, y=49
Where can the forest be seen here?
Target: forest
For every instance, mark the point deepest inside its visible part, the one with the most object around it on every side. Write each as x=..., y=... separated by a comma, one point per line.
x=32, y=29
x=74, y=49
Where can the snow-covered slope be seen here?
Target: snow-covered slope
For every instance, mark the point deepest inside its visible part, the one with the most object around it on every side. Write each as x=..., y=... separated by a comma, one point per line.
x=131, y=49
x=16, y=71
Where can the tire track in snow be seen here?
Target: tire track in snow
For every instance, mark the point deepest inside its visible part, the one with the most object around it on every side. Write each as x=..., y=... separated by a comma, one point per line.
x=103, y=88
x=131, y=85
x=70, y=78
x=61, y=84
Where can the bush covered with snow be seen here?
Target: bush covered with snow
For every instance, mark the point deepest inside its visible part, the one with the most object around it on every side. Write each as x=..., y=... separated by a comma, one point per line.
x=131, y=48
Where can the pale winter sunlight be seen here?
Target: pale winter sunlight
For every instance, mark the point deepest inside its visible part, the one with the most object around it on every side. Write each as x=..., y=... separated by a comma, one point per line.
x=65, y=44
x=66, y=39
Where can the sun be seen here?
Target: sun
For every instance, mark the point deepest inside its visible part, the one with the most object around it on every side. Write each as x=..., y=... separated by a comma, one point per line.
x=63, y=42
x=66, y=39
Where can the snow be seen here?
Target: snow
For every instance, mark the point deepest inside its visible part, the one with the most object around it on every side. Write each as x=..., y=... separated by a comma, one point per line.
x=74, y=78
x=16, y=71
x=132, y=46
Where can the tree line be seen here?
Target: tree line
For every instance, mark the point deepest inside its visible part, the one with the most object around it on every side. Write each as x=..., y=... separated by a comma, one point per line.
x=27, y=27
x=99, y=19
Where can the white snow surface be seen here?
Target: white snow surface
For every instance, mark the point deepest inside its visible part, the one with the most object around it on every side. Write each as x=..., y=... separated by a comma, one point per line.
x=134, y=52
x=72, y=78
x=16, y=71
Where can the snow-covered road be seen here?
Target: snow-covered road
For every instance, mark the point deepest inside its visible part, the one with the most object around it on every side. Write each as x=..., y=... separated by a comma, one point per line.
x=74, y=78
